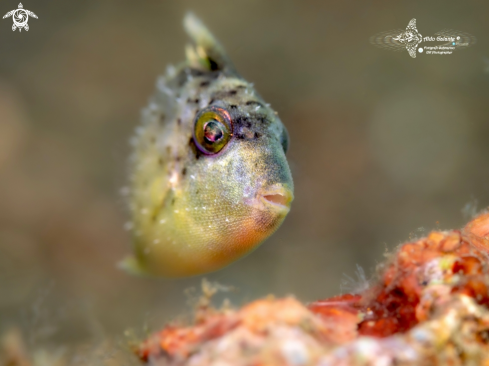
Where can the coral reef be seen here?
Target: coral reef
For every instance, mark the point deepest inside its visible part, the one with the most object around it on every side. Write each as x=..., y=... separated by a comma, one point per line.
x=428, y=306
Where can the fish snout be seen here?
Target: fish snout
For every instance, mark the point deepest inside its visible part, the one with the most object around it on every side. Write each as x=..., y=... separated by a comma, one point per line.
x=277, y=197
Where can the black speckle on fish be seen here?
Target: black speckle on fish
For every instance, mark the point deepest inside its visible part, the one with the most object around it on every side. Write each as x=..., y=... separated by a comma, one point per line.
x=254, y=102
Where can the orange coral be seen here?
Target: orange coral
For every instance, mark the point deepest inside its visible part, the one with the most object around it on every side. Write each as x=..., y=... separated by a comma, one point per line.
x=429, y=306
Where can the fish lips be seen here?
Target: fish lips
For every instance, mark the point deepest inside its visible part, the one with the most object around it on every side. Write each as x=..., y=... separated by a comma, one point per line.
x=276, y=198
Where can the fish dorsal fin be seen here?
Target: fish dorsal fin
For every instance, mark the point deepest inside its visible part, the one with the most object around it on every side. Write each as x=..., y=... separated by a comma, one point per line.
x=205, y=51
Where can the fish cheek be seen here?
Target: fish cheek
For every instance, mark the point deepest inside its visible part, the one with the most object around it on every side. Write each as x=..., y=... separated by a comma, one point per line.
x=266, y=222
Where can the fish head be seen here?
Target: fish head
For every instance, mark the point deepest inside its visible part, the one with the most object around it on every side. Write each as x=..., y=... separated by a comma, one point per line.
x=238, y=187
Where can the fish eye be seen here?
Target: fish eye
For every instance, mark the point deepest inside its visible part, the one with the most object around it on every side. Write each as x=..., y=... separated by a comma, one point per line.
x=212, y=130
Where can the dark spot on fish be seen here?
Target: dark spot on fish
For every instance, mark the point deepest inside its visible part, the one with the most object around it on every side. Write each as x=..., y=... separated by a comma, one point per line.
x=160, y=161
x=233, y=106
x=243, y=121
x=211, y=101
x=241, y=87
x=173, y=201
x=254, y=102
x=213, y=64
x=239, y=136
x=195, y=149
x=205, y=83
x=197, y=191
x=195, y=72
x=196, y=101
x=232, y=92
x=179, y=121
x=184, y=171
x=184, y=75
x=284, y=140
x=257, y=135
x=178, y=158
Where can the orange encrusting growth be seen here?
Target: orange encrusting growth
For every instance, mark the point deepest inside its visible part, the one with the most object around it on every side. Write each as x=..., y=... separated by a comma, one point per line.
x=429, y=306
x=394, y=305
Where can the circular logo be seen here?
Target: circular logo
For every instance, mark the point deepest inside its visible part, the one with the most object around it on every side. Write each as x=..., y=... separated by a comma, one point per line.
x=20, y=17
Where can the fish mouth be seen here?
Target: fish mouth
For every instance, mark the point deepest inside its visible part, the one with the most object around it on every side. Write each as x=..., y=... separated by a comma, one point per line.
x=277, y=197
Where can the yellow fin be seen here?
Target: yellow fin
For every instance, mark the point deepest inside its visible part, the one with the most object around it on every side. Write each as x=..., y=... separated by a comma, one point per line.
x=131, y=265
x=206, y=51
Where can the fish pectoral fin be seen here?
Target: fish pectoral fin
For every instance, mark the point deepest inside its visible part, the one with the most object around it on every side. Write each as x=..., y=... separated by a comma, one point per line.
x=131, y=265
x=205, y=51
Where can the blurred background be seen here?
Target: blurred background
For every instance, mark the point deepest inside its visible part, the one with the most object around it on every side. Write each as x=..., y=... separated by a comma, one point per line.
x=384, y=147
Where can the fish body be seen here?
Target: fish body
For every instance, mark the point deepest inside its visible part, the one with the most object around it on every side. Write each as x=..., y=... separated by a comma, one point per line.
x=209, y=180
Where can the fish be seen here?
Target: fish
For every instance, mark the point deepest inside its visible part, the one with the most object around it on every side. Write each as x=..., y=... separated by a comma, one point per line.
x=209, y=179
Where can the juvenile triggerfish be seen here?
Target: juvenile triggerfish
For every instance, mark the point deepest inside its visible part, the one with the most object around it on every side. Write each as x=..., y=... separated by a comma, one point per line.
x=209, y=180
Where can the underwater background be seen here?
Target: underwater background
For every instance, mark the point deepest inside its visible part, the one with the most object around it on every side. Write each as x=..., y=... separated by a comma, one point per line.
x=384, y=147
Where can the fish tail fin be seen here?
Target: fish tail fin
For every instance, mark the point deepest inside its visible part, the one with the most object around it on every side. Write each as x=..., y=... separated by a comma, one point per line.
x=131, y=265
x=205, y=51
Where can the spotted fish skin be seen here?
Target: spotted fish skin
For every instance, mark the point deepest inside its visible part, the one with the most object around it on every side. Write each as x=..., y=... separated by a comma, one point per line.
x=193, y=211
